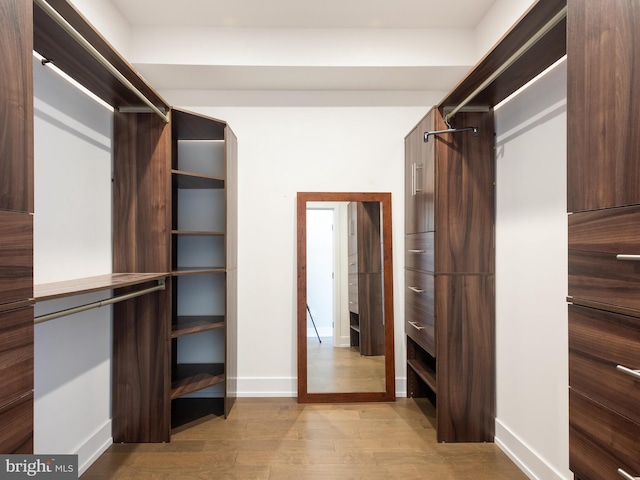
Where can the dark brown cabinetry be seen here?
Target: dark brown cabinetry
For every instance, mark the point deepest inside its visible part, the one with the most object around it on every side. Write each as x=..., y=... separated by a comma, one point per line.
x=365, y=278
x=203, y=262
x=603, y=199
x=449, y=275
x=16, y=234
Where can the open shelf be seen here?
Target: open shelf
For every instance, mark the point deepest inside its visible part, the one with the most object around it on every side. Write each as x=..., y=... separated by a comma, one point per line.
x=195, y=232
x=427, y=375
x=190, y=324
x=191, y=377
x=189, y=180
x=196, y=270
x=69, y=288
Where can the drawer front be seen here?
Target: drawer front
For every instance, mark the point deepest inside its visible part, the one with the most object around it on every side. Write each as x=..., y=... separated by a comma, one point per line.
x=599, y=341
x=419, y=309
x=16, y=434
x=604, y=256
x=16, y=250
x=418, y=253
x=16, y=354
x=601, y=441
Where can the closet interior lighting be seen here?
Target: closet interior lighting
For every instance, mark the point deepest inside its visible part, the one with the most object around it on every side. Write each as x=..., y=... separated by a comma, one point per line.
x=67, y=27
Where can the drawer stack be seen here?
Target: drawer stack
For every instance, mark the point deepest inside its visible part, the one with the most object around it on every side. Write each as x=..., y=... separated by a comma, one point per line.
x=604, y=343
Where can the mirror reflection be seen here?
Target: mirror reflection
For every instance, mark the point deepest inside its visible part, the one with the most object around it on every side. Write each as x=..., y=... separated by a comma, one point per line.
x=347, y=316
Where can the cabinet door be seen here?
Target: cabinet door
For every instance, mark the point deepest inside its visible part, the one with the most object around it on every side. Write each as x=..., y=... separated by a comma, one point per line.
x=419, y=177
x=602, y=99
x=16, y=106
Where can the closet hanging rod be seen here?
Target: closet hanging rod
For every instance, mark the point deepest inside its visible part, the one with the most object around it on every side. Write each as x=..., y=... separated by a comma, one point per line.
x=66, y=26
x=557, y=18
x=101, y=303
x=451, y=130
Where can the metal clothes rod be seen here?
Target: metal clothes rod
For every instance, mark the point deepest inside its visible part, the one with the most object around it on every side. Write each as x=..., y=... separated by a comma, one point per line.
x=101, y=303
x=59, y=19
x=521, y=51
x=451, y=130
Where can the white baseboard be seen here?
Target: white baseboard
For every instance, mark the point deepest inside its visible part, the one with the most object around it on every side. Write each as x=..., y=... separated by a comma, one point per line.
x=534, y=466
x=95, y=446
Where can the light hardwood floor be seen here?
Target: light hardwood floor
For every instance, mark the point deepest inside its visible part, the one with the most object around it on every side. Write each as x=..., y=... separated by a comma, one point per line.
x=281, y=439
x=342, y=369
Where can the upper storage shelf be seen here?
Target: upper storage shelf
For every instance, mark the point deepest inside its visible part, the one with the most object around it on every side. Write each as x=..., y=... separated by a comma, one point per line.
x=59, y=46
x=540, y=36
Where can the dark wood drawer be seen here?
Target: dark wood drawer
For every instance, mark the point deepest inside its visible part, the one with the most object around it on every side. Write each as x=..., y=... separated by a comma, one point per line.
x=419, y=309
x=16, y=354
x=601, y=441
x=418, y=253
x=16, y=434
x=599, y=341
x=604, y=256
x=16, y=250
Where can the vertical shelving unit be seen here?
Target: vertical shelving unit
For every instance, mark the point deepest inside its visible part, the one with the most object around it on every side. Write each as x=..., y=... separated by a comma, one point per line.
x=203, y=225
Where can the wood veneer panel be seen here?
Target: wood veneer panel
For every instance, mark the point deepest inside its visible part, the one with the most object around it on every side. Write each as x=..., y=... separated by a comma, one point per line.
x=465, y=206
x=16, y=106
x=465, y=358
x=141, y=363
x=543, y=54
x=16, y=418
x=16, y=354
x=598, y=342
x=193, y=126
x=53, y=43
x=602, y=98
x=68, y=288
x=142, y=189
x=16, y=252
x=601, y=441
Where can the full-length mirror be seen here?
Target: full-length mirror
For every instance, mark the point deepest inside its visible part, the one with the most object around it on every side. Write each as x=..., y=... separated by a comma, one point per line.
x=345, y=297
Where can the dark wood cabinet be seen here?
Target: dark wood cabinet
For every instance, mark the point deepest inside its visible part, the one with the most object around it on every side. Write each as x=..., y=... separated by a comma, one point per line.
x=603, y=160
x=449, y=275
x=203, y=263
x=603, y=199
x=16, y=235
x=366, y=308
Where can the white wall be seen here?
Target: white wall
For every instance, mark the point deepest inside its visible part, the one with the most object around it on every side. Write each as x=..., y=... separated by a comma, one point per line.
x=498, y=20
x=72, y=239
x=281, y=151
x=531, y=278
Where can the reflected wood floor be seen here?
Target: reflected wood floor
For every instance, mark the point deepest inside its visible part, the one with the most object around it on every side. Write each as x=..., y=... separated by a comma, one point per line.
x=280, y=439
x=342, y=369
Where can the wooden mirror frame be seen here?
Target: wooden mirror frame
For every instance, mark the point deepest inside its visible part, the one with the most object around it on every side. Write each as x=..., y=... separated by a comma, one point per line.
x=338, y=397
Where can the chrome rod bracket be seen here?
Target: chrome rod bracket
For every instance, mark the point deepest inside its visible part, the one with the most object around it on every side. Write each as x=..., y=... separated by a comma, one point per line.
x=474, y=130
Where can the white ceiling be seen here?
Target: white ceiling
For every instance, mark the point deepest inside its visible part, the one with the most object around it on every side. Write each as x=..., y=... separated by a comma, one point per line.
x=374, y=17
x=306, y=13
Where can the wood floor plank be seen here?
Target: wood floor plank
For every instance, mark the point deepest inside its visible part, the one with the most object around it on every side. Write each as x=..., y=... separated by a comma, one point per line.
x=279, y=439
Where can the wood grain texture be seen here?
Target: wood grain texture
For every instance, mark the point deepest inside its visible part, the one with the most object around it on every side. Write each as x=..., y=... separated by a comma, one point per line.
x=141, y=363
x=543, y=54
x=465, y=200
x=419, y=252
x=598, y=342
x=16, y=418
x=68, y=288
x=141, y=193
x=53, y=43
x=275, y=438
x=420, y=312
x=601, y=441
x=602, y=97
x=16, y=106
x=420, y=177
x=465, y=358
x=16, y=252
x=16, y=354
x=612, y=230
